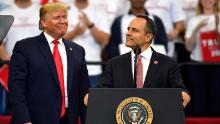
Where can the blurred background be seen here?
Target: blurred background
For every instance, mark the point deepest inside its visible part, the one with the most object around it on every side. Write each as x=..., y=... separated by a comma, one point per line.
x=188, y=31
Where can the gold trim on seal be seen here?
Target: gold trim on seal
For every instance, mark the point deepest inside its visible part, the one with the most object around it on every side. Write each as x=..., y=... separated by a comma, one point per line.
x=133, y=103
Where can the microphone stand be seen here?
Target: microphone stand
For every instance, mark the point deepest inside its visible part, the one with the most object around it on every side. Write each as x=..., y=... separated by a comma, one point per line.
x=137, y=51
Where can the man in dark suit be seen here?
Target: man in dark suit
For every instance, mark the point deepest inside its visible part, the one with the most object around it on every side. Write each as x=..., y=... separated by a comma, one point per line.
x=48, y=77
x=155, y=71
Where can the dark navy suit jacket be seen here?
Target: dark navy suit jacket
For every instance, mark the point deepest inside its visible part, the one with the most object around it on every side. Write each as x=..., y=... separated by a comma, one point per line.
x=162, y=72
x=34, y=90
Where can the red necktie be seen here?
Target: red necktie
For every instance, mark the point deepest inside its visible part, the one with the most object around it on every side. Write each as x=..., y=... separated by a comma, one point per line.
x=59, y=67
x=139, y=76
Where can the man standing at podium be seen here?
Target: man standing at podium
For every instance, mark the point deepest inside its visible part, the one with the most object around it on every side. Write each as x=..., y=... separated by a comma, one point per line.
x=153, y=70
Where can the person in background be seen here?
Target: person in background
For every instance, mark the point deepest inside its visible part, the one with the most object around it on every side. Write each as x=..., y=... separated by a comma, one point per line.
x=189, y=8
x=88, y=27
x=2, y=5
x=112, y=8
x=26, y=16
x=173, y=17
x=5, y=3
x=202, y=33
x=218, y=2
x=48, y=77
x=117, y=41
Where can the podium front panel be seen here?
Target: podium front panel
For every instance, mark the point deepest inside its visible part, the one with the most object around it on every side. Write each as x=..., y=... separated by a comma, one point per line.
x=166, y=104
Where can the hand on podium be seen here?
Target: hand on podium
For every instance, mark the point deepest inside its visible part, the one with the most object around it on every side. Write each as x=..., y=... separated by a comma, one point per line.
x=86, y=99
x=186, y=98
x=28, y=123
x=3, y=54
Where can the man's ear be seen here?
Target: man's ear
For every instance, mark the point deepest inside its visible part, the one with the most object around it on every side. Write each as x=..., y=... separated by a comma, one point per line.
x=43, y=23
x=148, y=37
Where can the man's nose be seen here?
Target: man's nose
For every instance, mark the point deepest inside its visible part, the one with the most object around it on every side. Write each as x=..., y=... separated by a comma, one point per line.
x=63, y=20
x=128, y=33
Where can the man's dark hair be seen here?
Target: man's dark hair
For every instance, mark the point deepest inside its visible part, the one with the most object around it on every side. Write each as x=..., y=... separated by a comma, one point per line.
x=150, y=25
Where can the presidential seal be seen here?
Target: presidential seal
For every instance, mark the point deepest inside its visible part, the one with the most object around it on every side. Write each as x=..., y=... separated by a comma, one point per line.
x=134, y=110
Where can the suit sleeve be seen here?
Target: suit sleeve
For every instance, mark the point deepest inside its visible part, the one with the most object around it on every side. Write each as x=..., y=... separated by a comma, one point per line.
x=175, y=78
x=106, y=78
x=18, y=70
x=85, y=77
x=85, y=85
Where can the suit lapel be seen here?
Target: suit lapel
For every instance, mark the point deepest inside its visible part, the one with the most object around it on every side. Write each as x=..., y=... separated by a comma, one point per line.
x=45, y=49
x=152, y=69
x=70, y=64
x=128, y=70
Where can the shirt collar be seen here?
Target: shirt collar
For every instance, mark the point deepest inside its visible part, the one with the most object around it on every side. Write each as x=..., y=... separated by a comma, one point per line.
x=146, y=54
x=51, y=39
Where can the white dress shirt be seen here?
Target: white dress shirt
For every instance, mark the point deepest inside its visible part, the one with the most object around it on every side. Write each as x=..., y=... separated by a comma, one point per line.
x=146, y=56
x=63, y=55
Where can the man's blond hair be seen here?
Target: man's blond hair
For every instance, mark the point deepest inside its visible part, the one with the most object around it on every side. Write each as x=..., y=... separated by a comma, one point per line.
x=50, y=7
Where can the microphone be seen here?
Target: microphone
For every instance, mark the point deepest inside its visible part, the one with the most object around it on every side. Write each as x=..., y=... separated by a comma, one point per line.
x=137, y=51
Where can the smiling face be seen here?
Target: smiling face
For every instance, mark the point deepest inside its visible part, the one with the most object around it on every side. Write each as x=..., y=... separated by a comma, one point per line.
x=55, y=23
x=208, y=4
x=137, y=35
